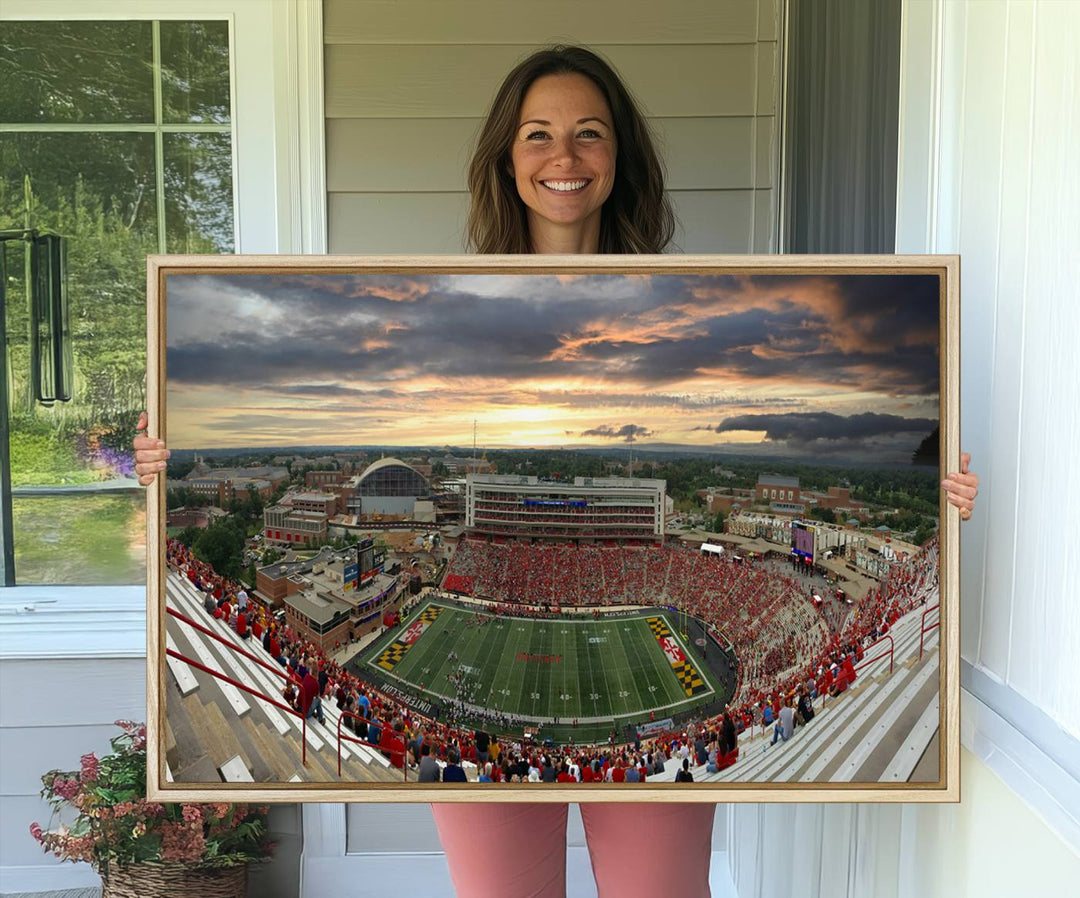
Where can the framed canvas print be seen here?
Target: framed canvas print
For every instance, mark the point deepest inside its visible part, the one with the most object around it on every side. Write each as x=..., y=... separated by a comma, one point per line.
x=553, y=528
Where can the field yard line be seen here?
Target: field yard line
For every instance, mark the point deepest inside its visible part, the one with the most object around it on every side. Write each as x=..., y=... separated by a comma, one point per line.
x=467, y=655
x=625, y=709
x=505, y=681
x=645, y=666
x=592, y=682
x=488, y=670
x=515, y=679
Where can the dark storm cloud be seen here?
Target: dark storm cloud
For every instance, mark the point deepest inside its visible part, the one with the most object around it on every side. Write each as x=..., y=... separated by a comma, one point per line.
x=888, y=310
x=627, y=433
x=866, y=333
x=331, y=390
x=254, y=361
x=800, y=428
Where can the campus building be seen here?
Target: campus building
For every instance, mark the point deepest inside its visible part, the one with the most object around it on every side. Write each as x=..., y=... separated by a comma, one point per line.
x=388, y=487
x=783, y=495
x=592, y=508
x=326, y=599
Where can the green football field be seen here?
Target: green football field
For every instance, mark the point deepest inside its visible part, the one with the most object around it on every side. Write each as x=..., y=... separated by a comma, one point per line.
x=592, y=670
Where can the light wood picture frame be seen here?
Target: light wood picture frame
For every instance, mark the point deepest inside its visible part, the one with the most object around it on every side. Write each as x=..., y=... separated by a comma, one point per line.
x=506, y=446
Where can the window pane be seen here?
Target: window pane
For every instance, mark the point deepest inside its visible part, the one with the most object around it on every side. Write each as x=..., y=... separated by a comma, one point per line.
x=198, y=193
x=76, y=72
x=81, y=540
x=195, y=72
x=98, y=191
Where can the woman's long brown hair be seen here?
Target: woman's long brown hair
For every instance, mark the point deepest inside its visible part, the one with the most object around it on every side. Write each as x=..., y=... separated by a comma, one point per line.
x=637, y=216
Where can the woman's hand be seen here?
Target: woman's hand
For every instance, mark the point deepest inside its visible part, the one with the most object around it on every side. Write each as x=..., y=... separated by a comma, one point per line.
x=962, y=488
x=150, y=454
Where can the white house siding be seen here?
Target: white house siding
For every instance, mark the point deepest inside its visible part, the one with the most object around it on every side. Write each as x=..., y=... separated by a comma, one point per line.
x=408, y=83
x=989, y=130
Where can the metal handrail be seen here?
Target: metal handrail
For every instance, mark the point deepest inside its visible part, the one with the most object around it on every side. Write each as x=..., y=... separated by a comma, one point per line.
x=228, y=644
x=923, y=629
x=891, y=653
x=248, y=689
x=272, y=669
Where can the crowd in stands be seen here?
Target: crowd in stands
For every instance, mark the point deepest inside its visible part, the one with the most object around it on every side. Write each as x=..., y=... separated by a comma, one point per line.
x=788, y=657
x=832, y=671
x=767, y=618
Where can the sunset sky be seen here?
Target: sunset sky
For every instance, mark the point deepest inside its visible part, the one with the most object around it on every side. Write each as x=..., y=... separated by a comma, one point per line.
x=843, y=366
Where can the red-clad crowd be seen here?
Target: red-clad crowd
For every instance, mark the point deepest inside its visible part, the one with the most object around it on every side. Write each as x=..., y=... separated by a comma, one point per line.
x=766, y=617
x=785, y=649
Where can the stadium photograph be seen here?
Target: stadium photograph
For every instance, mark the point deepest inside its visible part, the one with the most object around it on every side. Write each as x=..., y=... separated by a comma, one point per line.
x=576, y=528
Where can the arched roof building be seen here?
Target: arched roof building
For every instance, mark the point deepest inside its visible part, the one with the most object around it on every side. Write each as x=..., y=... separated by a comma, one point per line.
x=392, y=477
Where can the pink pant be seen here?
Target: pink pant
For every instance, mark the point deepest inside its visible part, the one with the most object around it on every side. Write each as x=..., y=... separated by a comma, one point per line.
x=519, y=850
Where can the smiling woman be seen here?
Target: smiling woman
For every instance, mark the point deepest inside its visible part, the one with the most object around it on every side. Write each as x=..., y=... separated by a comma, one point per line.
x=560, y=118
x=563, y=162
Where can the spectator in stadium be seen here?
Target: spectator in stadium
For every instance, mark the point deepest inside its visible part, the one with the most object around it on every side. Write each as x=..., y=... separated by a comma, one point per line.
x=767, y=716
x=453, y=772
x=563, y=117
x=483, y=741
x=728, y=737
x=785, y=725
x=429, y=768
x=701, y=750
x=310, y=703
x=710, y=760
x=684, y=775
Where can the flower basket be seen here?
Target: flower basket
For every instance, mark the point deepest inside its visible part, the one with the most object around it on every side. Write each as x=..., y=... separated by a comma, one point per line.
x=149, y=849
x=171, y=880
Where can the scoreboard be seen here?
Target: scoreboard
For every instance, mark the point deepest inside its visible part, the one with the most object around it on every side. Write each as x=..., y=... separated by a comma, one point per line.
x=802, y=541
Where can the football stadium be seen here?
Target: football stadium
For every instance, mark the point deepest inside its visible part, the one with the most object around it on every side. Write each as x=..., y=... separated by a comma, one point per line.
x=573, y=677
x=563, y=636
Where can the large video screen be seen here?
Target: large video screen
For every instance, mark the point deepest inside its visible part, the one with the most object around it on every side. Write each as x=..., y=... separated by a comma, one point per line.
x=802, y=541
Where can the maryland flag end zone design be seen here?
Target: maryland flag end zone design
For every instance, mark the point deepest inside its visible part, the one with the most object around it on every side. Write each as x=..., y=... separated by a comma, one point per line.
x=692, y=681
x=390, y=656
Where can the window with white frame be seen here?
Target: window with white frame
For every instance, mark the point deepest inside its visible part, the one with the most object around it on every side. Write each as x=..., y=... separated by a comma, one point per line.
x=116, y=136
x=277, y=128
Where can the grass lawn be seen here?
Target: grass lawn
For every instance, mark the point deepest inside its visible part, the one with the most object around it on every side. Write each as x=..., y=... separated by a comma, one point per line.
x=84, y=539
x=599, y=671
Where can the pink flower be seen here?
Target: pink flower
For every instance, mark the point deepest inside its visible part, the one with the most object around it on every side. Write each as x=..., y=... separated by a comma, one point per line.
x=89, y=767
x=65, y=788
x=181, y=842
x=192, y=813
x=36, y=831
